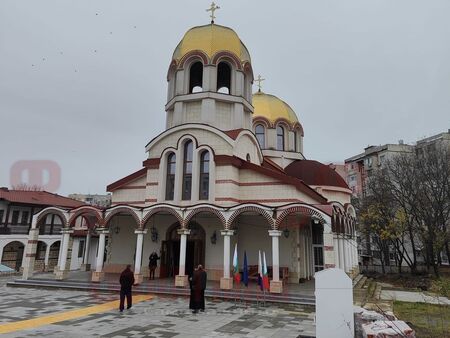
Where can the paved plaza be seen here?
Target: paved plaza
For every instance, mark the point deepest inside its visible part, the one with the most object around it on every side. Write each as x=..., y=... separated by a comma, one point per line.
x=60, y=313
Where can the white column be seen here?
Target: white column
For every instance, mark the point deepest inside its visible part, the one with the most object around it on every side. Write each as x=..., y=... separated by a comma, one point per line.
x=60, y=251
x=65, y=248
x=346, y=253
x=336, y=250
x=341, y=252
x=275, y=234
x=101, y=250
x=276, y=286
x=86, y=248
x=30, y=253
x=181, y=279
x=138, y=261
x=226, y=252
x=226, y=282
x=98, y=274
x=47, y=256
x=183, y=239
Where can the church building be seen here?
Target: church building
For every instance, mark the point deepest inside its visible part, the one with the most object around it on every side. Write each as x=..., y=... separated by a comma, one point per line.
x=228, y=170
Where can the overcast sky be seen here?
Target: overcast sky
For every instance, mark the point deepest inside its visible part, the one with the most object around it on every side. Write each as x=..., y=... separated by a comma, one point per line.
x=83, y=83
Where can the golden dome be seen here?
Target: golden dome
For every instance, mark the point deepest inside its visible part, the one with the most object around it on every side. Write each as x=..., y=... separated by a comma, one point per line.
x=211, y=39
x=272, y=108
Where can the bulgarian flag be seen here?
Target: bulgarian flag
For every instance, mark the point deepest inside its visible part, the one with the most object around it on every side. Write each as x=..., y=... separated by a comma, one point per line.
x=260, y=274
x=265, y=278
x=236, y=274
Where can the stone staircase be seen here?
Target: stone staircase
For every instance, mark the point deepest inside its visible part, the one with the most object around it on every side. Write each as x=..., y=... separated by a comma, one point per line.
x=233, y=295
x=364, y=289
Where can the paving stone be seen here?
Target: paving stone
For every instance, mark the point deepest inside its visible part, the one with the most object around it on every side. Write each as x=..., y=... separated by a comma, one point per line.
x=161, y=317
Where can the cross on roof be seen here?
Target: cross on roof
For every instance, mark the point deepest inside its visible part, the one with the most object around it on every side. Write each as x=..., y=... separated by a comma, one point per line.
x=259, y=80
x=212, y=9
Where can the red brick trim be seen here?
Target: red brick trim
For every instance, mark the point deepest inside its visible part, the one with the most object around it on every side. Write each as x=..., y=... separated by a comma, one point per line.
x=127, y=202
x=52, y=210
x=151, y=184
x=205, y=209
x=329, y=266
x=328, y=248
x=86, y=210
x=289, y=180
x=193, y=53
x=298, y=209
x=268, y=200
x=226, y=55
x=159, y=209
x=30, y=255
x=124, y=210
x=32, y=241
x=151, y=200
x=248, y=184
x=152, y=163
x=126, y=179
x=260, y=211
x=227, y=160
x=134, y=187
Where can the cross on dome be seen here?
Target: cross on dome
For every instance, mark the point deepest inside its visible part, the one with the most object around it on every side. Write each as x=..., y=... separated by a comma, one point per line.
x=212, y=9
x=259, y=80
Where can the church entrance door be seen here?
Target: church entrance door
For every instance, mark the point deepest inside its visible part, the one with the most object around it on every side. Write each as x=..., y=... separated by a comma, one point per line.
x=170, y=250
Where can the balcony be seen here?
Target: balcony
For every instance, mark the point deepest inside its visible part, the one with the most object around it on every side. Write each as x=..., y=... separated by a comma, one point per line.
x=23, y=229
x=14, y=229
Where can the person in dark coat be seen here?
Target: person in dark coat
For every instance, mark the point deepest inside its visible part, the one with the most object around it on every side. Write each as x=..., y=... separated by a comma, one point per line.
x=198, y=289
x=152, y=264
x=126, y=283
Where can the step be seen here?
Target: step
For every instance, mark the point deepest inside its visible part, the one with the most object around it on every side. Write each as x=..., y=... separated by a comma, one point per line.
x=356, y=279
x=361, y=283
x=166, y=290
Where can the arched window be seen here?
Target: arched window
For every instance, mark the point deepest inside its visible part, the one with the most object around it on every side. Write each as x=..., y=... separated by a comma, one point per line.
x=204, y=176
x=224, y=78
x=248, y=157
x=170, y=176
x=280, y=138
x=260, y=135
x=187, y=171
x=196, y=77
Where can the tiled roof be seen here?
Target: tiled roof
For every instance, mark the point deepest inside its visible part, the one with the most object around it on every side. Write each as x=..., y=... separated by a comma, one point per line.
x=315, y=173
x=127, y=179
x=38, y=198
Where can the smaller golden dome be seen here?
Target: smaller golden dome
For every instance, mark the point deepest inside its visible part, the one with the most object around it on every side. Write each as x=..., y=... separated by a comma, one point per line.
x=272, y=108
x=211, y=39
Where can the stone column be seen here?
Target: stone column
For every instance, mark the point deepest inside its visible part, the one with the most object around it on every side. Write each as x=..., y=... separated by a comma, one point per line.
x=62, y=271
x=329, y=257
x=336, y=249
x=276, y=286
x=47, y=257
x=346, y=253
x=56, y=268
x=85, y=266
x=98, y=274
x=30, y=253
x=181, y=279
x=226, y=282
x=138, y=277
x=341, y=252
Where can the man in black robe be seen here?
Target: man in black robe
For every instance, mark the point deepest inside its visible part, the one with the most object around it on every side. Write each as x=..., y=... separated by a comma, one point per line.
x=197, y=301
x=126, y=283
x=152, y=264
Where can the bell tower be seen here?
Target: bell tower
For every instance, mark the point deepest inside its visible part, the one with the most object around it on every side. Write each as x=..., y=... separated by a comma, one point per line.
x=210, y=80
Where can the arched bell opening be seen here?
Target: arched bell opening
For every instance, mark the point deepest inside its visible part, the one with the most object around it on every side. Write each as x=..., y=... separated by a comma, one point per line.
x=224, y=78
x=196, y=77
